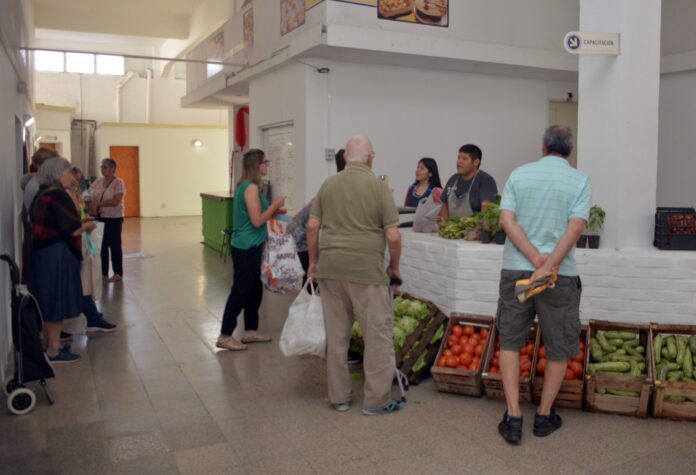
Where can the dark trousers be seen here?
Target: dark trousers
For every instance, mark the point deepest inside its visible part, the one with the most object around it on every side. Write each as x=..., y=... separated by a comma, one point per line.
x=246, y=292
x=91, y=312
x=112, y=243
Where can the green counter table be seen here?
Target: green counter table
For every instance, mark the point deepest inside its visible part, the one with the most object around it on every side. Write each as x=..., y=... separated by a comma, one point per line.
x=217, y=216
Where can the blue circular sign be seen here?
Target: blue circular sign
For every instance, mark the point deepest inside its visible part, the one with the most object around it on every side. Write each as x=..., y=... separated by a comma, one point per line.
x=573, y=42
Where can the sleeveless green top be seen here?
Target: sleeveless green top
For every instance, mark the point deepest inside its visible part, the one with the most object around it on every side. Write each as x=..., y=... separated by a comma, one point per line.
x=244, y=234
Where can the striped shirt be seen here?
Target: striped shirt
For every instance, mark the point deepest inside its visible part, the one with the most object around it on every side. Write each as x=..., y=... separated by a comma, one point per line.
x=545, y=195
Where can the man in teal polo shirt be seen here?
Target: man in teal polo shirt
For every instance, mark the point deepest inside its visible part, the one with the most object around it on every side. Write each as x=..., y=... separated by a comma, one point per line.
x=544, y=209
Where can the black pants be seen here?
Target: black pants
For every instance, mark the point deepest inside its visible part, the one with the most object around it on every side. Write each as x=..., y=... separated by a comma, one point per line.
x=112, y=242
x=247, y=290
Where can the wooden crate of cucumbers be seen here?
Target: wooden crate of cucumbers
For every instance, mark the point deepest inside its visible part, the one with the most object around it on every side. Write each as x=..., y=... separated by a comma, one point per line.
x=674, y=349
x=619, y=368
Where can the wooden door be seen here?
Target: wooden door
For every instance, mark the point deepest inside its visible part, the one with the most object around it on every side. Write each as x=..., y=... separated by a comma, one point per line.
x=566, y=113
x=128, y=169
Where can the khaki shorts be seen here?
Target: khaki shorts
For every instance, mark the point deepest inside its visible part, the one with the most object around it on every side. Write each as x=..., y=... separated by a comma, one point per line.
x=558, y=310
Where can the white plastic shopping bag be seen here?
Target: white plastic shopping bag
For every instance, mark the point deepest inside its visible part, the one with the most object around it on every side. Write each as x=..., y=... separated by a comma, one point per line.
x=304, y=332
x=281, y=269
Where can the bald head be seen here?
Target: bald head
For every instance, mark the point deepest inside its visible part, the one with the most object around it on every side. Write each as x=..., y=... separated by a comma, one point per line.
x=359, y=150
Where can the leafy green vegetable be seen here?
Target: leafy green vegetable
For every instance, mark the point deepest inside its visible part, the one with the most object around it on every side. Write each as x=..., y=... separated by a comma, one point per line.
x=420, y=362
x=438, y=335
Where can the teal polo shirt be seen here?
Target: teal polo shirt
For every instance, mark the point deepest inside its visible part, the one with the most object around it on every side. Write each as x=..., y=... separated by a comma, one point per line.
x=545, y=195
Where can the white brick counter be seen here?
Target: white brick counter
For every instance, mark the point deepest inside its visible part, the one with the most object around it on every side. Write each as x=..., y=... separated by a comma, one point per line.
x=630, y=286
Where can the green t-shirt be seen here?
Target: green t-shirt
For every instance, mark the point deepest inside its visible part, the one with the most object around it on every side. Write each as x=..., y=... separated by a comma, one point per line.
x=354, y=208
x=244, y=234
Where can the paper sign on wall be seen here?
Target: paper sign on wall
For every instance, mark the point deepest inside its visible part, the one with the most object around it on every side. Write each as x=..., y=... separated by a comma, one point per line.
x=582, y=42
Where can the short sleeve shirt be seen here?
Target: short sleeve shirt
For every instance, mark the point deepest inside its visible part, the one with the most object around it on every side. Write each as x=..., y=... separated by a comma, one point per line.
x=355, y=208
x=483, y=188
x=101, y=191
x=545, y=196
x=297, y=228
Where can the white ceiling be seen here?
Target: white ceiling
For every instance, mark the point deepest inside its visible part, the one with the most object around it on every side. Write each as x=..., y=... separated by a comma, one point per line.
x=144, y=18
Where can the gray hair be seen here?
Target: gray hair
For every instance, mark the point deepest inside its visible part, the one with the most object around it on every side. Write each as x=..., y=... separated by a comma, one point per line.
x=358, y=149
x=110, y=162
x=51, y=171
x=559, y=139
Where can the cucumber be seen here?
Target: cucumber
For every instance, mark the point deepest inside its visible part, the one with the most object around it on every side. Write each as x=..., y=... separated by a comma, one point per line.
x=688, y=365
x=665, y=354
x=602, y=340
x=672, y=347
x=635, y=370
x=641, y=365
x=597, y=352
x=640, y=349
x=661, y=373
x=657, y=343
x=609, y=356
x=631, y=343
x=673, y=376
x=617, y=342
x=692, y=344
x=672, y=366
x=617, y=392
x=633, y=352
x=626, y=358
x=612, y=367
x=620, y=335
x=682, y=343
x=676, y=398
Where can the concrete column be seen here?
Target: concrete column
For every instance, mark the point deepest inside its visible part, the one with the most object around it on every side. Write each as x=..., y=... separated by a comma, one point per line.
x=618, y=118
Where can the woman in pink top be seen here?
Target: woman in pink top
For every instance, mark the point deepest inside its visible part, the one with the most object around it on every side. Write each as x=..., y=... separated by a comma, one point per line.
x=107, y=206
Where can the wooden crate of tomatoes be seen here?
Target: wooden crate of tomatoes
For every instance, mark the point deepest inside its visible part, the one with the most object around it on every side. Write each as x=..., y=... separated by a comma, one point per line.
x=459, y=365
x=571, y=393
x=619, y=376
x=674, y=352
x=493, y=381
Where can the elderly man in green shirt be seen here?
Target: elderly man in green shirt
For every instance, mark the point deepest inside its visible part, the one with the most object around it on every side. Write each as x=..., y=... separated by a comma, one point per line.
x=356, y=214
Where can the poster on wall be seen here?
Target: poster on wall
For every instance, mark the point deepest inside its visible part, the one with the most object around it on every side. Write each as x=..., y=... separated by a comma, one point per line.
x=424, y=12
x=280, y=152
x=216, y=51
x=292, y=15
x=248, y=24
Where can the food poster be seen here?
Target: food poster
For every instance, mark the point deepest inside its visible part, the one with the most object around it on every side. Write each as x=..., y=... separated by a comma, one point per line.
x=425, y=12
x=248, y=24
x=292, y=15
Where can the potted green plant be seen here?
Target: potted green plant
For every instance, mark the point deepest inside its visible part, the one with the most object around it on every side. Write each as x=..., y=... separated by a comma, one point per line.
x=594, y=226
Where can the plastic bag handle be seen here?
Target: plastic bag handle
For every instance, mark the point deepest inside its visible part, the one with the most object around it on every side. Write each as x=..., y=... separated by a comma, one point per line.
x=276, y=228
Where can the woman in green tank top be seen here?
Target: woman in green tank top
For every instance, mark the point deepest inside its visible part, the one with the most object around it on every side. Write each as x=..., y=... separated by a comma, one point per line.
x=251, y=212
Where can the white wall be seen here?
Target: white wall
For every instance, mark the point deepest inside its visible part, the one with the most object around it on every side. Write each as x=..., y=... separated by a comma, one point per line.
x=415, y=113
x=172, y=172
x=677, y=141
x=94, y=98
x=52, y=124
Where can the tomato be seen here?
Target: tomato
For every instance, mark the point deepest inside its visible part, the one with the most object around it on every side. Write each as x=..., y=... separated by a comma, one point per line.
x=463, y=340
x=484, y=333
x=478, y=350
x=456, y=350
x=577, y=368
x=476, y=360
x=452, y=361
x=442, y=362
x=469, y=349
x=580, y=358
x=541, y=365
x=582, y=345
x=448, y=353
x=529, y=349
x=497, y=353
x=524, y=357
x=452, y=340
x=570, y=374
x=526, y=365
x=524, y=374
x=495, y=362
x=465, y=359
x=542, y=352
x=468, y=330
x=494, y=370
x=523, y=351
x=462, y=367
x=474, y=366
x=457, y=330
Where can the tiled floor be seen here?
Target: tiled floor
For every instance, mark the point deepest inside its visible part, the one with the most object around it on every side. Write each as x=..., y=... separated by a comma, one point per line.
x=157, y=397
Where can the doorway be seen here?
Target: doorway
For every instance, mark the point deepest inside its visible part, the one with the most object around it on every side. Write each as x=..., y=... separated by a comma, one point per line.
x=128, y=169
x=566, y=113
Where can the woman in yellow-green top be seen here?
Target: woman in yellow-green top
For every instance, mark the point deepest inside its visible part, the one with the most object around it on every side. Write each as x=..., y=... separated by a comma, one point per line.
x=251, y=212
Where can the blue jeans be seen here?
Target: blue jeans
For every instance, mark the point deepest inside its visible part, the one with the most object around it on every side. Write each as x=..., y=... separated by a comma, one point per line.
x=90, y=310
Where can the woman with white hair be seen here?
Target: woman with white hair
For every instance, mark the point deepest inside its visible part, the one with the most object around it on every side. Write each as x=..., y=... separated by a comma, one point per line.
x=57, y=252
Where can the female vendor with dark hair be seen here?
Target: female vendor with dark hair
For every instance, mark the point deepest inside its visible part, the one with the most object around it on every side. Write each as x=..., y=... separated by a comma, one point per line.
x=427, y=179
